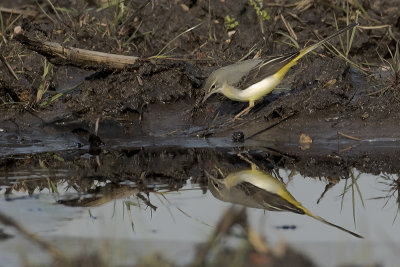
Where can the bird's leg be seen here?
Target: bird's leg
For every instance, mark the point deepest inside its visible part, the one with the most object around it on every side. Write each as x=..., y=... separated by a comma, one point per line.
x=244, y=111
x=248, y=160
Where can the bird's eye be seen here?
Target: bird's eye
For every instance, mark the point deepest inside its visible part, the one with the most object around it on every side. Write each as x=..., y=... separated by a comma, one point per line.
x=216, y=185
x=213, y=86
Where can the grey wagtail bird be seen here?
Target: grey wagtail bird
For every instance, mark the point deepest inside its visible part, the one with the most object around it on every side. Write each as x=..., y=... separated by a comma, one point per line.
x=250, y=80
x=256, y=189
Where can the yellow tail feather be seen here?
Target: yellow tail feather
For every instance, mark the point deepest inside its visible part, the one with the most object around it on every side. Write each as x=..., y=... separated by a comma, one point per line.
x=282, y=72
x=307, y=212
x=310, y=48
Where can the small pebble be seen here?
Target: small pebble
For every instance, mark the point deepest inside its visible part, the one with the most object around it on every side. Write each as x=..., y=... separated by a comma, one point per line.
x=17, y=30
x=238, y=137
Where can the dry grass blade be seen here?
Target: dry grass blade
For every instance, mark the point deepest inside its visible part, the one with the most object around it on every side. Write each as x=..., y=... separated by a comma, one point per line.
x=4, y=28
x=44, y=85
x=358, y=4
x=336, y=52
x=350, y=42
x=375, y=27
x=359, y=191
x=344, y=193
x=44, y=12
x=340, y=38
x=280, y=5
x=55, y=10
x=159, y=54
x=293, y=43
x=55, y=252
x=166, y=206
x=293, y=15
x=392, y=64
x=393, y=191
x=353, y=184
x=395, y=64
x=344, y=52
x=252, y=49
x=9, y=68
x=352, y=198
x=349, y=136
x=289, y=28
x=128, y=205
x=303, y=5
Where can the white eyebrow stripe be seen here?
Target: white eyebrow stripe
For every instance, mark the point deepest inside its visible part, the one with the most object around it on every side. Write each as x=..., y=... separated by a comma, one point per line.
x=286, y=58
x=270, y=61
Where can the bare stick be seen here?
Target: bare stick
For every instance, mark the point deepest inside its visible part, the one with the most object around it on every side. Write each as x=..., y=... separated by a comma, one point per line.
x=76, y=56
x=30, y=13
x=349, y=136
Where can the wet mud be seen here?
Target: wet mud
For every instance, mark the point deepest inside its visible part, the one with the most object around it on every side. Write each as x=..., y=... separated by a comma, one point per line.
x=145, y=123
x=159, y=95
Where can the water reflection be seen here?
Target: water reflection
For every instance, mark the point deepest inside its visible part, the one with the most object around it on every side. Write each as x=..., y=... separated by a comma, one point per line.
x=257, y=189
x=118, y=198
x=391, y=185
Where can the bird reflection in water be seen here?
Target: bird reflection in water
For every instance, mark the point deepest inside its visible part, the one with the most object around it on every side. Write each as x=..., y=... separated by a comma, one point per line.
x=257, y=189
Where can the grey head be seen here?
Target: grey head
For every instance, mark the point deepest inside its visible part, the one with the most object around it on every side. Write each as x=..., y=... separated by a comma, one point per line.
x=231, y=75
x=217, y=187
x=234, y=194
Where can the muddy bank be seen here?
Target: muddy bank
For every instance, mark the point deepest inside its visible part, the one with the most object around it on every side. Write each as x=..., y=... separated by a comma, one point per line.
x=171, y=167
x=321, y=95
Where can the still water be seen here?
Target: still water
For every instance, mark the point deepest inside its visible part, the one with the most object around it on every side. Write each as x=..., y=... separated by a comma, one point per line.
x=132, y=203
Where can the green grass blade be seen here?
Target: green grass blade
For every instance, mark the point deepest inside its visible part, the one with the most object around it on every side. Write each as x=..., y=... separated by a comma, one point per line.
x=294, y=42
x=57, y=96
x=351, y=37
x=340, y=37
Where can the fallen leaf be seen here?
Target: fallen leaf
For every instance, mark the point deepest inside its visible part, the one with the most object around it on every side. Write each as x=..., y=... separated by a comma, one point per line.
x=305, y=141
x=185, y=7
x=329, y=83
x=24, y=96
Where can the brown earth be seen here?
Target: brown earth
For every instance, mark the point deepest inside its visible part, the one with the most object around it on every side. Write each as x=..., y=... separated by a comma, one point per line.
x=335, y=104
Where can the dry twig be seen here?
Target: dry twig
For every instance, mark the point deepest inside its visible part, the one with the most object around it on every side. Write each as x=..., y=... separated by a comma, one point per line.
x=349, y=136
x=28, y=13
x=8, y=67
x=76, y=56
